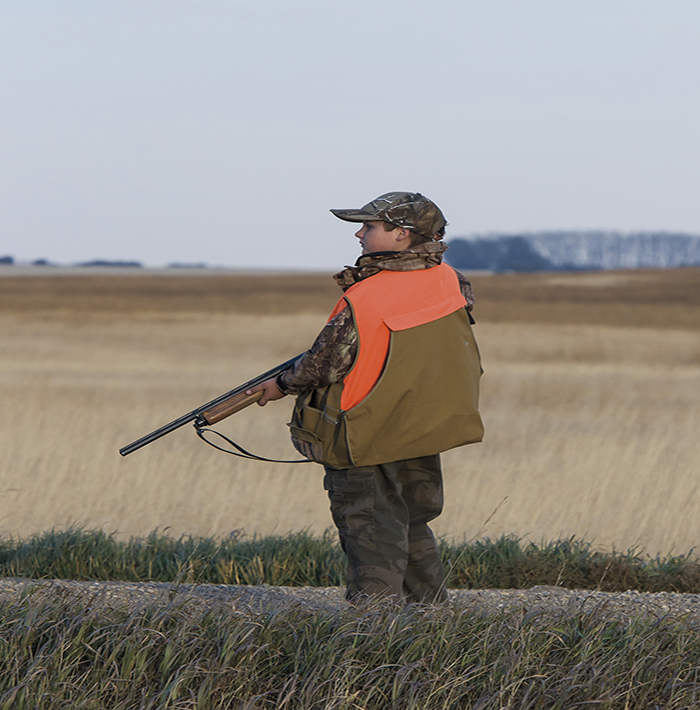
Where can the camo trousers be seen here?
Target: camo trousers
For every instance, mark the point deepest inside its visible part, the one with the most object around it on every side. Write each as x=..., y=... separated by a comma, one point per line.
x=382, y=514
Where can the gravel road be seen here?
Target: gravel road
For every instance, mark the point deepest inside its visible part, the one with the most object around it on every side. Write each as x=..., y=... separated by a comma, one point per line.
x=541, y=601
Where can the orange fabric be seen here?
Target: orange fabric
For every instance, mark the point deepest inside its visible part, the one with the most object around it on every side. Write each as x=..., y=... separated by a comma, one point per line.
x=387, y=301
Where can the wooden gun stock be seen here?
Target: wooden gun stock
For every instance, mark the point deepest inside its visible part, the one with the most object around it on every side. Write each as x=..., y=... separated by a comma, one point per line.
x=216, y=410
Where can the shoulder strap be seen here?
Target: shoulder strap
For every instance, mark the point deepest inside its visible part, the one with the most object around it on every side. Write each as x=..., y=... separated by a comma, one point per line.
x=240, y=451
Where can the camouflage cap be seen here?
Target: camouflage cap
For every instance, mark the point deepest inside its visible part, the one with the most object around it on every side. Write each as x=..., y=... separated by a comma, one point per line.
x=402, y=209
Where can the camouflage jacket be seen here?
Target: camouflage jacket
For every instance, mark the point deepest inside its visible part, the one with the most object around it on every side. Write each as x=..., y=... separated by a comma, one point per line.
x=334, y=350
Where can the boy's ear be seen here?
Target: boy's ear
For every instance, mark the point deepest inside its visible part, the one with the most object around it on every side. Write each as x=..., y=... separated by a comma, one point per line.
x=402, y=233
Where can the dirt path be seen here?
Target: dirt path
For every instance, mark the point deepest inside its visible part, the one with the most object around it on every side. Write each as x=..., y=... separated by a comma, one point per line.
x=541, y=601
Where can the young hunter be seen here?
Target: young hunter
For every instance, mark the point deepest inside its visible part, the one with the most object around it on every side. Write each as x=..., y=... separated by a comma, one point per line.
x=390, y=382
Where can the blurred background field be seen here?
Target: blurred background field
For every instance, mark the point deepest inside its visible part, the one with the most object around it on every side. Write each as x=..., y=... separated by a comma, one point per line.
x=591, y=400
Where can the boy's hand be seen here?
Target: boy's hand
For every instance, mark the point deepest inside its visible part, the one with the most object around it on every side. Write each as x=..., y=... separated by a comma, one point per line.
x=270, y=392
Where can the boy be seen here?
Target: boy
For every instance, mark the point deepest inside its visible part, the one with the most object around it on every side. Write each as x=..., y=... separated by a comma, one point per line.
x=390, y=382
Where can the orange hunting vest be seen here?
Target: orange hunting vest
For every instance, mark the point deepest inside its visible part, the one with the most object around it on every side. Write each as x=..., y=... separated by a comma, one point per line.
x=390, y=301
x=413, y=389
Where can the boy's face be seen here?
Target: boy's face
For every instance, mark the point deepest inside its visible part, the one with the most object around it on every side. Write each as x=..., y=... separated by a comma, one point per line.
x=373, y=237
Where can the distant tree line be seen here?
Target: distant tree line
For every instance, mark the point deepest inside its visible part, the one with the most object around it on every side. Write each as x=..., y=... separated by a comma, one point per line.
x=9, y=261
x=499, y=254
x=559, y=251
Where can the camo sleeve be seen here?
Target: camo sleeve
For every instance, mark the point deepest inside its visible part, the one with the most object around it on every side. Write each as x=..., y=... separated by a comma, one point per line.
x=465, y=287
x=329, y=359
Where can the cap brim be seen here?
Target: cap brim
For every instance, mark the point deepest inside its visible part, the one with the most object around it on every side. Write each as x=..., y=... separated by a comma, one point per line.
x=356, y=216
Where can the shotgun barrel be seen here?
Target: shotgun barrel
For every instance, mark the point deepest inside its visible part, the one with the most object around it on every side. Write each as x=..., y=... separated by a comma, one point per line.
x=219, y=408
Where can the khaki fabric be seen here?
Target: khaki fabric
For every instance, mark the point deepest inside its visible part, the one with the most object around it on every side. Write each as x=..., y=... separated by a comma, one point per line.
x=417, y=408
x=334, y=351
x=316, y=426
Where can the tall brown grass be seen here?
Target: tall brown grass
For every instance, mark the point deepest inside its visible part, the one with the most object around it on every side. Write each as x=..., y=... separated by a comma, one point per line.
x=590, y=399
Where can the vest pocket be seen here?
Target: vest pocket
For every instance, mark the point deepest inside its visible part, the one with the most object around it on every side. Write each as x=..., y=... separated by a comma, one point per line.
x=304, y=435
x=316, y=422
x=307, y=420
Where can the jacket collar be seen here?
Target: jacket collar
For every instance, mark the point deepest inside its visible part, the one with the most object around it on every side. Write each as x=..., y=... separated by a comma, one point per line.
x=422, y=256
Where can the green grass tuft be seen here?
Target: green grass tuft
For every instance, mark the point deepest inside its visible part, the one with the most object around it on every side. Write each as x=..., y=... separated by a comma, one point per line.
x=65, y=654
x=301, y=559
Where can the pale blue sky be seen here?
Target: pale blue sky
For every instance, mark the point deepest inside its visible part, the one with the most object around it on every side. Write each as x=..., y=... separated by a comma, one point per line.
x=223, y=132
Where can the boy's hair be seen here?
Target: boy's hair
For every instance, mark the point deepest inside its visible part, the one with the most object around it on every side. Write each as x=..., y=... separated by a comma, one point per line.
x=416, y=239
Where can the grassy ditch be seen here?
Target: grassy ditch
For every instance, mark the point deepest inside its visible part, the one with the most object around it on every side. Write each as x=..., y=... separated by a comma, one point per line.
x=301, y=559
x=59, y=653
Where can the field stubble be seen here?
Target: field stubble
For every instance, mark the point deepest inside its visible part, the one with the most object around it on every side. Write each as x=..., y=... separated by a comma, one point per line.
x=590, y=404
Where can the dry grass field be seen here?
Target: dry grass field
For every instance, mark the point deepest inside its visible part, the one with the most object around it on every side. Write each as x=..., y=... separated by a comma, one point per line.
x=591, y=400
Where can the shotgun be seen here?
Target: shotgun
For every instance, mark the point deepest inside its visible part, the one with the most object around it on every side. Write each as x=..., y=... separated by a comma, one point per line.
x=223, y=406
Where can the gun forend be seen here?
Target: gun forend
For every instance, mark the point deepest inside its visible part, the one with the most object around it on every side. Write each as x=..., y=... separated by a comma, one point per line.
x=229, y=407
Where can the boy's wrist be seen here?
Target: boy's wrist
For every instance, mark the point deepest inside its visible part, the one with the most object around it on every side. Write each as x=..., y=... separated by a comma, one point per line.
x=281, y=385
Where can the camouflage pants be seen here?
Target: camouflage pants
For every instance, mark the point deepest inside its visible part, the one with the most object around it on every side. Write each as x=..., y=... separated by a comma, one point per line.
x=382, y=514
